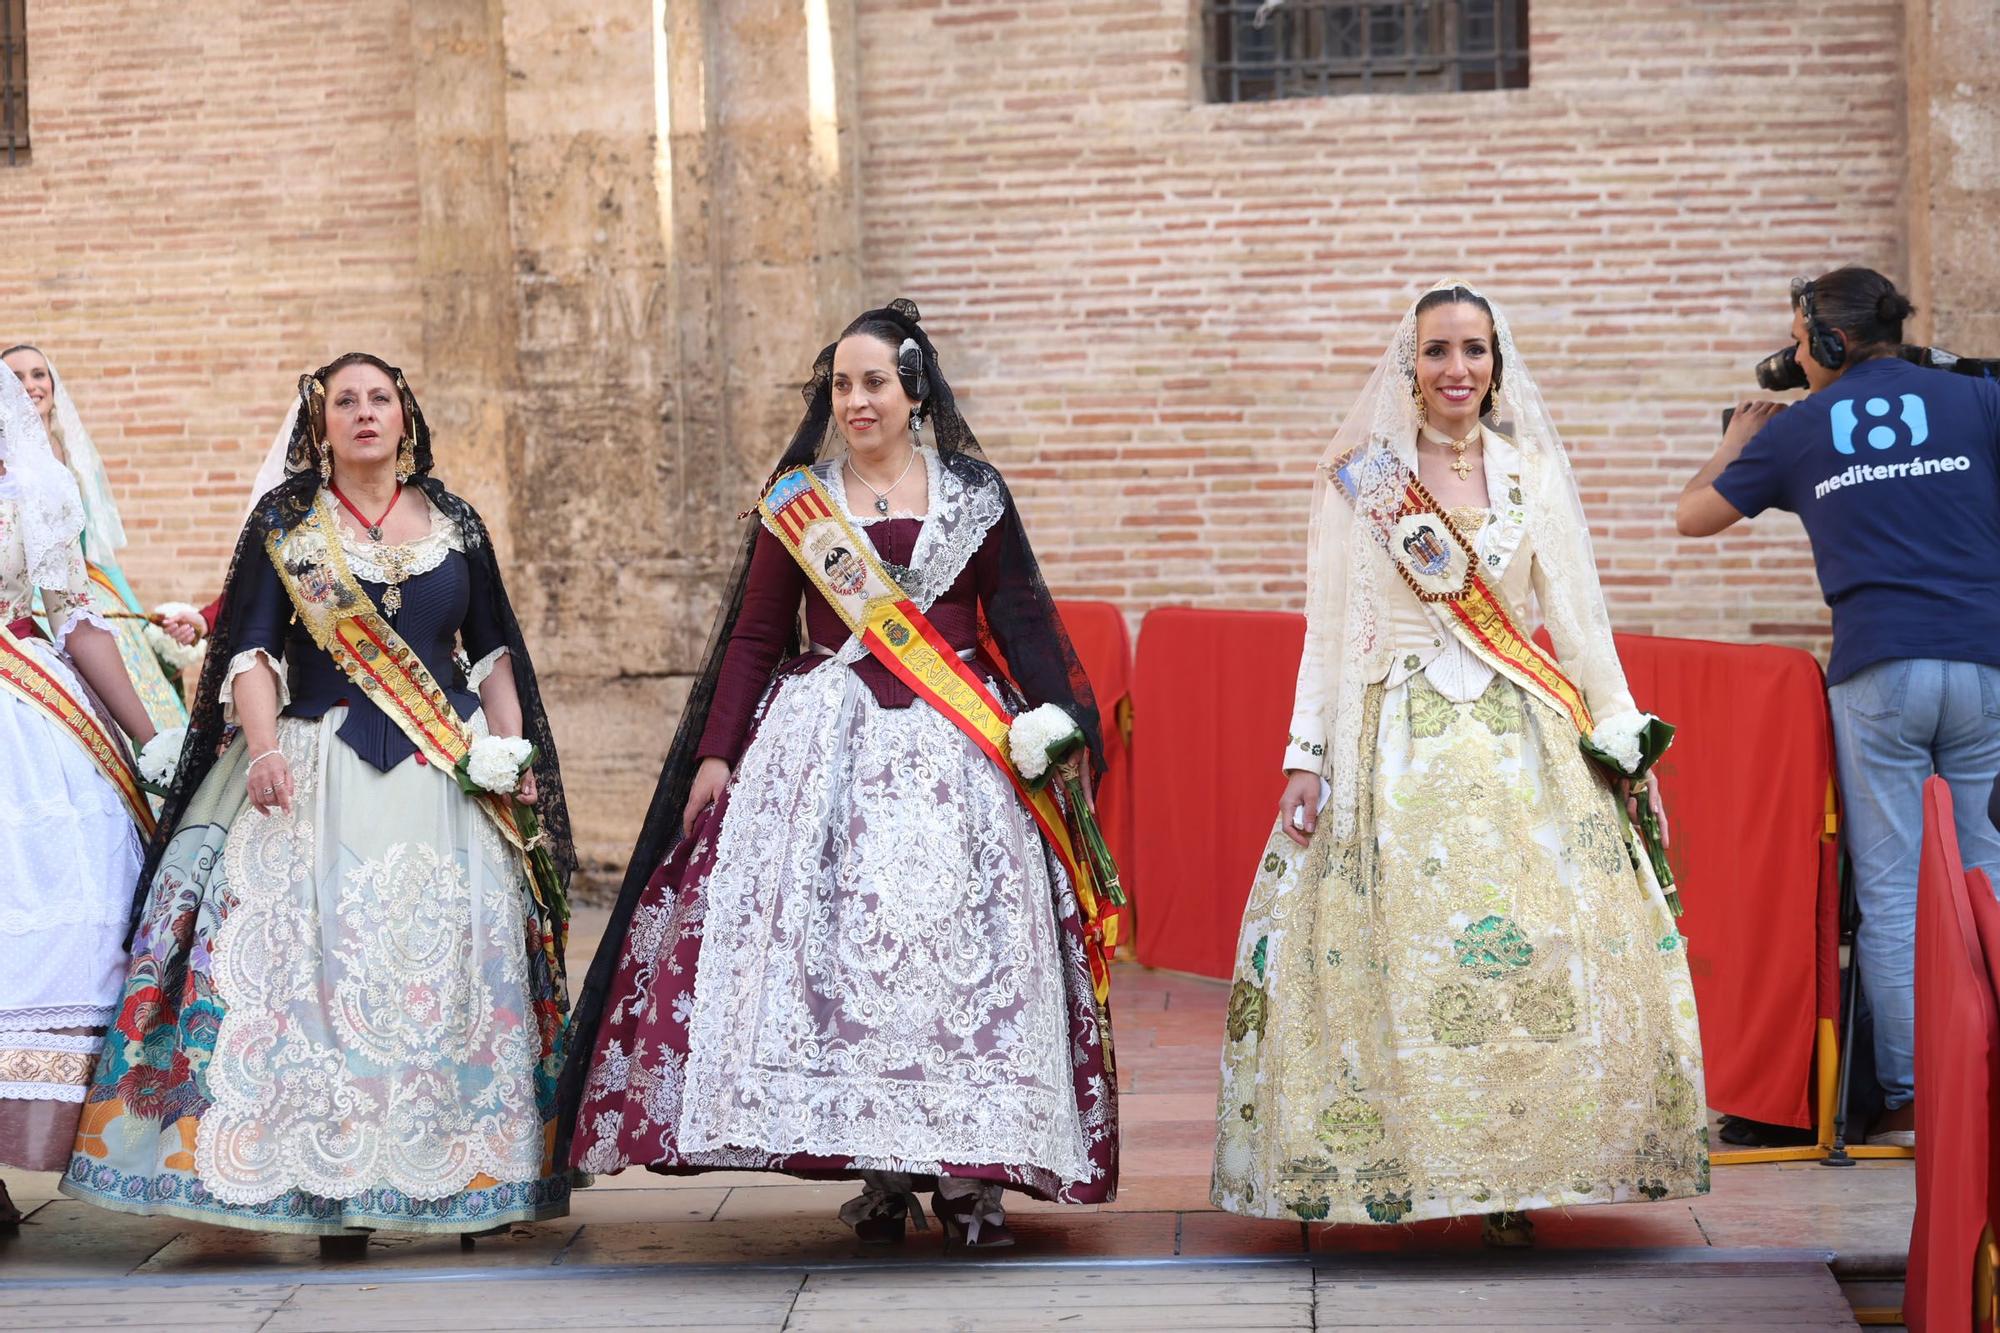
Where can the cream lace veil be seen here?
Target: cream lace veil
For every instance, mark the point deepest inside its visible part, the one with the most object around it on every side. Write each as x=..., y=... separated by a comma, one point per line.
x=103, y=531
x=50, y=508
x=1348, y=574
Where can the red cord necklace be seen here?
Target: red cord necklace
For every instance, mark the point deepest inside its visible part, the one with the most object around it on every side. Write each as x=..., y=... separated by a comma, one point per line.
x=374, y=529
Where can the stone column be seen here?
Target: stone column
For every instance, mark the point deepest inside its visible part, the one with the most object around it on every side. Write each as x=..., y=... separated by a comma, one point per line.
x=1952, y=59
x=790, y=256
x=684, y=237
x=465, y=254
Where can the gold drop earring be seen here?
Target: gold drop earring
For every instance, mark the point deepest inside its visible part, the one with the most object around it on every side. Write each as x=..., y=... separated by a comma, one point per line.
x=406, y=459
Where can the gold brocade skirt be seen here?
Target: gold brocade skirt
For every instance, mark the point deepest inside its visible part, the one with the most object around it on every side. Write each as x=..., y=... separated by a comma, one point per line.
x=1478, y=1003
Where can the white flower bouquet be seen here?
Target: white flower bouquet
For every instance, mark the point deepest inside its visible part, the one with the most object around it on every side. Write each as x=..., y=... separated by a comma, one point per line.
x=1629, y=744
x=1041, y=743
x=492, y=767
x=160, y=759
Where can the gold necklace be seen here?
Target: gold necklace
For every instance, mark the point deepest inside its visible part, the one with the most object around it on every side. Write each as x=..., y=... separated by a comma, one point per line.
x=1459, y=463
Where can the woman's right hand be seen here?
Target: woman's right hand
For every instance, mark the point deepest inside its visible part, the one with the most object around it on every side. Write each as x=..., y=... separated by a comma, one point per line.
x=270, y=784
x=184, y=627
x=709, y=781
x=1298, y=808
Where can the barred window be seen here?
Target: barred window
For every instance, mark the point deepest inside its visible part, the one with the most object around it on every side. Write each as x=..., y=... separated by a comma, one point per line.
x=1260, y=50
x=13, y=82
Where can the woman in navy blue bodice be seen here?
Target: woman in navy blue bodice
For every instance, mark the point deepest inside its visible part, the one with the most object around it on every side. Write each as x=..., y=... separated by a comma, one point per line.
x=345, y=1001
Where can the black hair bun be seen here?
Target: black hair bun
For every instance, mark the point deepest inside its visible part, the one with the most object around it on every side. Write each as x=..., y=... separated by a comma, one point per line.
x=907, y=308
x=1892, y=307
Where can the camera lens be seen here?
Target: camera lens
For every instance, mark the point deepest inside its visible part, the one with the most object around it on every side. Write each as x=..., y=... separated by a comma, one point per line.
x=1780, y=370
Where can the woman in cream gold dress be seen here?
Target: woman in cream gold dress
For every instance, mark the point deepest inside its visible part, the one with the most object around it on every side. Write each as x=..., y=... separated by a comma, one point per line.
x=1458, y=989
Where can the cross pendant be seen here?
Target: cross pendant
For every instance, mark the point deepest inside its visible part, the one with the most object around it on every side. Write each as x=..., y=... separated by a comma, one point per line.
x=1462, y=466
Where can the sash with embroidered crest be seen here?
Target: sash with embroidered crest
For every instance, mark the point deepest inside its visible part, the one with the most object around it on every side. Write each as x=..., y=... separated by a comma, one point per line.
x=343, y=620
x=23, y=675
x=1440, y=565
x=842, y=564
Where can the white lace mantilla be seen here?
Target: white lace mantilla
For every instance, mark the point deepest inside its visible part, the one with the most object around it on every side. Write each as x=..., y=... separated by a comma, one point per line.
x=880, y=975
x=377, y=1028
x=960, y=517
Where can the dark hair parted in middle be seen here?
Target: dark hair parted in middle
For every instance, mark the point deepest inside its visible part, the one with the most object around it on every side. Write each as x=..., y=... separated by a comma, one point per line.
x=1431, y=300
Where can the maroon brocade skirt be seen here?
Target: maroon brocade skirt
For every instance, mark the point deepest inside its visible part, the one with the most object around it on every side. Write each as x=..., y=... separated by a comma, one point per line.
x=864, y=957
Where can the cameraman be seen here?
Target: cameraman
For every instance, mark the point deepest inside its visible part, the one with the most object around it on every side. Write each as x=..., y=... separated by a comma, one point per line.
x=1895, y=471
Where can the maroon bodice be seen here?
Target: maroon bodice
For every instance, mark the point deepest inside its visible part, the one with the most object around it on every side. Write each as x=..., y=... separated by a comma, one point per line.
x=771, y=602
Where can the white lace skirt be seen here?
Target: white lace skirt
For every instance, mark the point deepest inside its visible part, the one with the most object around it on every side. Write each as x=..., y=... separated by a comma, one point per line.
x=880, y=976
x=69, y=858
x=377, y=1029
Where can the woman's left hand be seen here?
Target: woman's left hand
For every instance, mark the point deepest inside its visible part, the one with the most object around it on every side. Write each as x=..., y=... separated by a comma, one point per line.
x=526, y=793
x=1653, y=801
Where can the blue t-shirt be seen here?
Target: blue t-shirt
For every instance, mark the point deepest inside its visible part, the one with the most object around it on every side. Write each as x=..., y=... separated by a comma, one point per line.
x=1895, y=470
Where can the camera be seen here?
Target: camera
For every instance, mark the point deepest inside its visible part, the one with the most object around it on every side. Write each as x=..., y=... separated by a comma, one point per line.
x=1781, y=370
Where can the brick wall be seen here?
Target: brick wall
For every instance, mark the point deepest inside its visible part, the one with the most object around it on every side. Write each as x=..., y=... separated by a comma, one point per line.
x=220, y=196
x=1156, y=308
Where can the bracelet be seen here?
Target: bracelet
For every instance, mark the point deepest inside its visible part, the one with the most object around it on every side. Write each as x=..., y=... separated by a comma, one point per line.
x=262, y=757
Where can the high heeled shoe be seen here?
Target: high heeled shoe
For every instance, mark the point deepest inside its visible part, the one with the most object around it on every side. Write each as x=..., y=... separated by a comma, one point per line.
x=965, y=1223
x=881, y=1217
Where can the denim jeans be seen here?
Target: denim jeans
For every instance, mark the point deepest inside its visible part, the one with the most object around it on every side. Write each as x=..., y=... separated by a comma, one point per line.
x=1894, y=725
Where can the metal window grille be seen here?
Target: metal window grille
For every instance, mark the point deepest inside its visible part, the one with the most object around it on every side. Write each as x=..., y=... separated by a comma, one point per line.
x=13, y=82
x=1258, y=50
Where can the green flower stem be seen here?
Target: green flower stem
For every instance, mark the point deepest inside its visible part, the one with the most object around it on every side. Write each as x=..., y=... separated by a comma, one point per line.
x=1085, y=831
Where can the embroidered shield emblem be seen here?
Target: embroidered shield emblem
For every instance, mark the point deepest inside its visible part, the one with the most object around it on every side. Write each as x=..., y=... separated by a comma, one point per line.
x=1430, y=555
x=315, y=584
x=845, y=573
x=896, y=632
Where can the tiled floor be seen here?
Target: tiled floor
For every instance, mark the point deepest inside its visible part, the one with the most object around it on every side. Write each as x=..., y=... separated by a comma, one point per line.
x=73, y=1265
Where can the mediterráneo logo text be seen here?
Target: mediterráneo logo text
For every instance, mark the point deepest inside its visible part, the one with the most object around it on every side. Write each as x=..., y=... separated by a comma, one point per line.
x=1865, y=472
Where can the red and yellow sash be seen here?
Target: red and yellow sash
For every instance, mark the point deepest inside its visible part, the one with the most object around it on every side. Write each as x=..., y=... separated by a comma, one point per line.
x=342, y=619
x=1441, y=566
x=842, y=564
x=22, y=674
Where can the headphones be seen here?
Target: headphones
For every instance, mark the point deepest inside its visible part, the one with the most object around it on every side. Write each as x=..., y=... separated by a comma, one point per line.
x=1824, y=344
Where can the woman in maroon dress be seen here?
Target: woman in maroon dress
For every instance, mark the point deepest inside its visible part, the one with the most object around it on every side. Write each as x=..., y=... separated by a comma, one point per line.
x=844, y=948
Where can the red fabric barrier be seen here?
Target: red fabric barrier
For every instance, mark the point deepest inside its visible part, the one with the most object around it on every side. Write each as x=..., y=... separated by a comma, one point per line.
x=1746, y=786
x=1212, y=692
x=1958, y=1081
x=1986, y=916
x=1104, y=646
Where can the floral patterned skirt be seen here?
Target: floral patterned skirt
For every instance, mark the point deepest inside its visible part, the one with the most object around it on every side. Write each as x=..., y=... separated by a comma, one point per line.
x=864, y=958
x=1477, y=1004
x=336, y=1018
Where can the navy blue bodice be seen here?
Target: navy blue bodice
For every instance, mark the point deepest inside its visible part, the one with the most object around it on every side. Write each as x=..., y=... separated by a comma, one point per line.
x=440, y=608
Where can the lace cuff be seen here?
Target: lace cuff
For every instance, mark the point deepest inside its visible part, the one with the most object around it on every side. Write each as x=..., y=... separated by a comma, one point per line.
x=242, y=662
x=65, y=616
x=483, y=668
